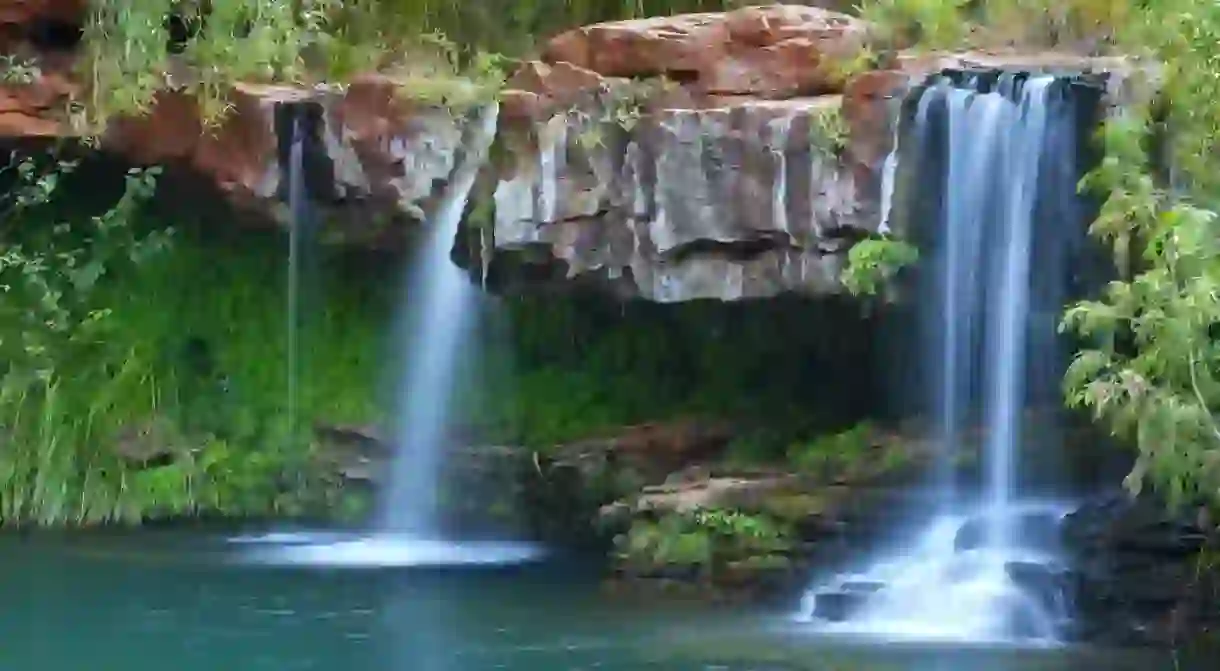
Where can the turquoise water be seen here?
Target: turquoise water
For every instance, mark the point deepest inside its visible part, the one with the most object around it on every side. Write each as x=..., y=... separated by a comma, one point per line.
x=158, y=601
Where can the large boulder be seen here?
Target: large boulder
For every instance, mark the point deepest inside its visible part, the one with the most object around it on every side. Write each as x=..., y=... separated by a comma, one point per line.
x=772, y=51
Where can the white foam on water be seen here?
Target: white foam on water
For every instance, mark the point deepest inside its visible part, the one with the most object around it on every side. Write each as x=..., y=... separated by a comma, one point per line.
x=936, y=591
x=379, y=550
x=997, y=141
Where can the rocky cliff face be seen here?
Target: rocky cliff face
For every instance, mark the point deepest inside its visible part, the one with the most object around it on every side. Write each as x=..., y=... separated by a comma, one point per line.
x=735, y=175
x=720, y=155
x=747, y=170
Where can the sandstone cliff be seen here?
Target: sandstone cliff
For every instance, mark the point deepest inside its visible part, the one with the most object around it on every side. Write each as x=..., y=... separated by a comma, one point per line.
x=720, y=155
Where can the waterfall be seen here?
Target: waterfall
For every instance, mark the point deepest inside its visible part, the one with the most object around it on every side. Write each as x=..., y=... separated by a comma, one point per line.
x=439, y=312
x=1009, y=284
x=990, y=153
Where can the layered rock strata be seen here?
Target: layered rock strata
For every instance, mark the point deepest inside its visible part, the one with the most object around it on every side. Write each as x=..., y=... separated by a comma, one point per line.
x=723, y=155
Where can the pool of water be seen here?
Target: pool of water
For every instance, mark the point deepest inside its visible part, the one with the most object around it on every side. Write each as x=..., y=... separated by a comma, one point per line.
x=154, y=601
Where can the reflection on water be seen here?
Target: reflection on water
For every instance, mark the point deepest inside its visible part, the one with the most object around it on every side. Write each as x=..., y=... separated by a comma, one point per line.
x=153, y=601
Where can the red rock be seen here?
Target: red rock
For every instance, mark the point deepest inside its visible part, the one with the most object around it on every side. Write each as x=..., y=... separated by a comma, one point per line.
x=642, y=47
x=171, y=131
x=518, y=104
x=539, y=89
x=240, y=153
x=16, y=124
x=654, y=449
x=561, y=82
x=235, y=155
x=25, y=11
x=35, y=109
x=372, y=106
x=373, y=115
x=867, y=112
x=767, y=51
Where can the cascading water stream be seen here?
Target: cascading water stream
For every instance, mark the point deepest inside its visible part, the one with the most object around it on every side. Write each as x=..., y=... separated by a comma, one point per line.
x=440, y=309
x=967, y=576
x=1011, y=311
x=441, y=305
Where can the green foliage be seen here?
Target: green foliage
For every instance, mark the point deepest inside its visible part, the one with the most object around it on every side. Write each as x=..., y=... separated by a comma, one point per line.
x=844, y=447
x=748, y=532
x=226, y=292
x=932, y=24
x=1150, y=370
x=947, y=24
x=215, y=310
x=619, y=108
x=55, y=417
x=130, y=57
x=127, y=59
x=584, y=366
x=434, y=70
x=1161, y=387
x=828, y=131
x=195, y=345
x=670, y=541
x=19, y=71
x=1081, y=24
x=145, y=379
x=873, y=263
x=704, y=538
x=859, y=453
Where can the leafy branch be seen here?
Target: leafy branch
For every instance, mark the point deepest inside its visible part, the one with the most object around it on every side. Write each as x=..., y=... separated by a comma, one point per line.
x=873, y=263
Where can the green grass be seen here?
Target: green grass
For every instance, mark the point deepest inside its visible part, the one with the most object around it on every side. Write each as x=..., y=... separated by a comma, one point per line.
x=117, y=352
x=182, y=357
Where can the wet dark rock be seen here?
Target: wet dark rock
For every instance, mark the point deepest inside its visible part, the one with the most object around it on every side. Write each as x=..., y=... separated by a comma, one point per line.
x=838, y=606
x=675, y=572
x=1046, y=585
x=862, y=587
x=1039, y=529
x=1140, y=526
x=763, y=578
x=1138, y=572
